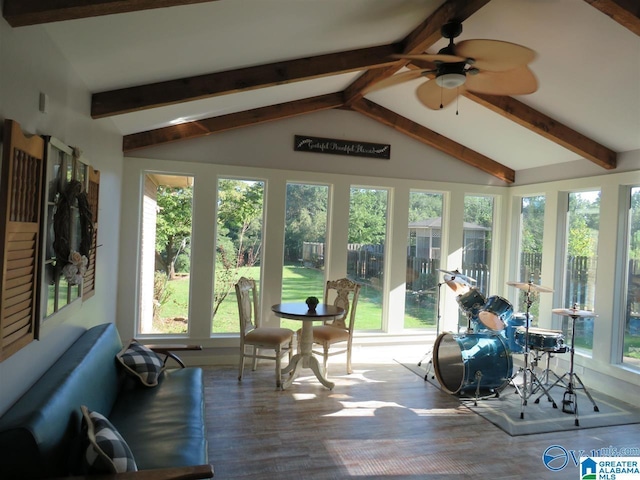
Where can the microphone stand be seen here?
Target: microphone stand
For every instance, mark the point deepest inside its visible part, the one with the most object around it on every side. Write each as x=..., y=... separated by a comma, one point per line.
x=430, y=352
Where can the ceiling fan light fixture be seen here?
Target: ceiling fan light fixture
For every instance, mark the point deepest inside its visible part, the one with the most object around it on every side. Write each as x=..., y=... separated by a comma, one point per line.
x=451, y=80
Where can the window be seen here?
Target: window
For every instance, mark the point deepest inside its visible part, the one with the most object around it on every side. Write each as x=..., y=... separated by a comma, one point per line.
x=581, y=261
x=69, y=246
x=238, y=246
x=366, y=252
x=423, y=259
x=165, y=254
x=631, y=334
x=305, y=233
x=476, y=243
x=530, y=264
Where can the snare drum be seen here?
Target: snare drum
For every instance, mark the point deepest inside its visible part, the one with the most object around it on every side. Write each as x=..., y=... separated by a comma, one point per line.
x=496, y=313
x=540, y=339
x=471, y=302
x=460, y=362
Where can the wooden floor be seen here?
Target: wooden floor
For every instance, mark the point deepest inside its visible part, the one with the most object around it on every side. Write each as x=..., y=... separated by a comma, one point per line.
x=383, y=421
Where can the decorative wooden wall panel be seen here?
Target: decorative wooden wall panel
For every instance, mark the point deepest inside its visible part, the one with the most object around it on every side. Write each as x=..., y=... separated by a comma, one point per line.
x=93, y=194
x=21, y=184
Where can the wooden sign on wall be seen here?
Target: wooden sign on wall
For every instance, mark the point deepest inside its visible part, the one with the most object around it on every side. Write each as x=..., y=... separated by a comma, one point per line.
x=341, y=147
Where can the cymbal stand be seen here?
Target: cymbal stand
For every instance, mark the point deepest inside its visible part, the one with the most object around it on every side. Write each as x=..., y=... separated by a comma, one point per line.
x=528, y=388
x=570, y=399
x=430, y=352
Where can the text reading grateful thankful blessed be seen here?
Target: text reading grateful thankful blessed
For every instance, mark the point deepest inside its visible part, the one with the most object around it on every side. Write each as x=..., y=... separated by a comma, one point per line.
x=341, y=147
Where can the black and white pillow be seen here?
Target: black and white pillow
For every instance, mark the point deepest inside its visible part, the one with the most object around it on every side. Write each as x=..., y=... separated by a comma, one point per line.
x=105, y=451
x=141, y=362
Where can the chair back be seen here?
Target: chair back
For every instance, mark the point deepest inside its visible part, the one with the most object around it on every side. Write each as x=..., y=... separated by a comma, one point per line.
x=346, y=296
x=247, y=296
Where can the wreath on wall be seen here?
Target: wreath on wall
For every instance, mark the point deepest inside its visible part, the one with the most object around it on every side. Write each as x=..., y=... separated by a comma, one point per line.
x=72, y=263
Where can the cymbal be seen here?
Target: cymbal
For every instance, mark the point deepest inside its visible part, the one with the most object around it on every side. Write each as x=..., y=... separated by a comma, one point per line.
x=573, y=312
x=456, y=276
x=530, y=287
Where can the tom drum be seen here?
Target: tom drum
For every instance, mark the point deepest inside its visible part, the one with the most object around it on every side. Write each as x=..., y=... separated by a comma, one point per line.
x=471, y=302
x=516, y=320
x=495, y=313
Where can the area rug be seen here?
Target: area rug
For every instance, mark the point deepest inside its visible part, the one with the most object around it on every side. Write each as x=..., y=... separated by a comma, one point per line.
x=505, y=410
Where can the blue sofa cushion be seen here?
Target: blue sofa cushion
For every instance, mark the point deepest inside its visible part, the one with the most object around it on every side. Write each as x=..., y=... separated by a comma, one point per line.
x=165, y=425
x=106, y=451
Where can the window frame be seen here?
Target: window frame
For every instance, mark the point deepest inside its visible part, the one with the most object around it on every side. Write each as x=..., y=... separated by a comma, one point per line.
x=71, y=167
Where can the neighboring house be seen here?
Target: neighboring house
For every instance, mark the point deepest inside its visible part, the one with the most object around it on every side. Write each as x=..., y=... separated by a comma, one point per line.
x=426, y=237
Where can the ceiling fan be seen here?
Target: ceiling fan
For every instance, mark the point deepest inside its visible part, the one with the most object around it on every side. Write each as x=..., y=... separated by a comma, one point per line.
x=492, y=67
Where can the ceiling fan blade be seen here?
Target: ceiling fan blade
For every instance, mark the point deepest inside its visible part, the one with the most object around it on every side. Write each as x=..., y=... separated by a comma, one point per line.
x=433, y=95
x=395, y=80
x=436, y=57
x=519, y=81
x=495, y=55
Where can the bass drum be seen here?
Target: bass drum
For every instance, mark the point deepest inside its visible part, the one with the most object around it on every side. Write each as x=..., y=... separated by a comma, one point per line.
x=458, y=361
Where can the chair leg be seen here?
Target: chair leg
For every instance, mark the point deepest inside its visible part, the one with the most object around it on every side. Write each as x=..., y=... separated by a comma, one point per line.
x=241, y=366
x=349, y=371
x=255, y=358
x=278, y=368
x=290, y=350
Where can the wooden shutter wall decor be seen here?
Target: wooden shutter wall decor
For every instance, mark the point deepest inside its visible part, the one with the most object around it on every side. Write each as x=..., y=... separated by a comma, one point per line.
x=93, y=193
x=21, y=184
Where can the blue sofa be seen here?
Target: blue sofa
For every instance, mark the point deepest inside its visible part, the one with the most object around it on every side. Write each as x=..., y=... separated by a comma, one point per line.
x=164, y=425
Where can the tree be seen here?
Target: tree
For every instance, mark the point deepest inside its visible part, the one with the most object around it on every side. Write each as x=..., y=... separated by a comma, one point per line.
x=239, y=241
x=306, y=217
x=424, y=205
x=478, y=210
x=584, y=221
x=368, y=216
x=532, y=224
x=173, y=225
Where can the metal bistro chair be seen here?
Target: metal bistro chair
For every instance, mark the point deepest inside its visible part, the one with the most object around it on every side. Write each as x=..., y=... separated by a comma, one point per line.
x=252, y=334
x=341, y=329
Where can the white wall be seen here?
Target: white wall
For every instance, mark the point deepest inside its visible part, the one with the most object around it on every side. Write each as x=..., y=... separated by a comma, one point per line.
x=271, y=145
x=30, y=64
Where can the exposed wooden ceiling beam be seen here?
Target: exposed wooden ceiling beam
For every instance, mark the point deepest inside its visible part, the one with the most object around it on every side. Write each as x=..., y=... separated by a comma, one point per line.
x=625, y=12
x=159, y=94
x=549, y=128
x=207, y=126
x=542, y=124
x=20, y=13
x=421, y=38
x=433, y=139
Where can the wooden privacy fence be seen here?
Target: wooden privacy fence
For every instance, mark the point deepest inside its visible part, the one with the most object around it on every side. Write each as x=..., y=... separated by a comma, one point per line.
x=579, y=282
x=313, y=254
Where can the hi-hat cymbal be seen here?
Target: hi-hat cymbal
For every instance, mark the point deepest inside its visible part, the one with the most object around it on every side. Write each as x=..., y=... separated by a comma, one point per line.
x=573, y=312
x=456, y=276
x=530, y=287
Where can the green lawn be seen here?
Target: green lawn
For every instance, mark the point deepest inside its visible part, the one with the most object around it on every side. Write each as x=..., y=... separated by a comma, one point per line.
x=298, y=284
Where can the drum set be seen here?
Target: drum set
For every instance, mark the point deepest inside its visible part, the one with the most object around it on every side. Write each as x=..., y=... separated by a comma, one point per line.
x=480, y=359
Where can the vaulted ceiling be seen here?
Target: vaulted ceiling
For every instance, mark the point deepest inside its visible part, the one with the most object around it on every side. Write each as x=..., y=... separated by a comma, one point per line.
x=172, y=70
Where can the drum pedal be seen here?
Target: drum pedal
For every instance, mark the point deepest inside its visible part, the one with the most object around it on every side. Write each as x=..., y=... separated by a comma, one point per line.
x=569, y=402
